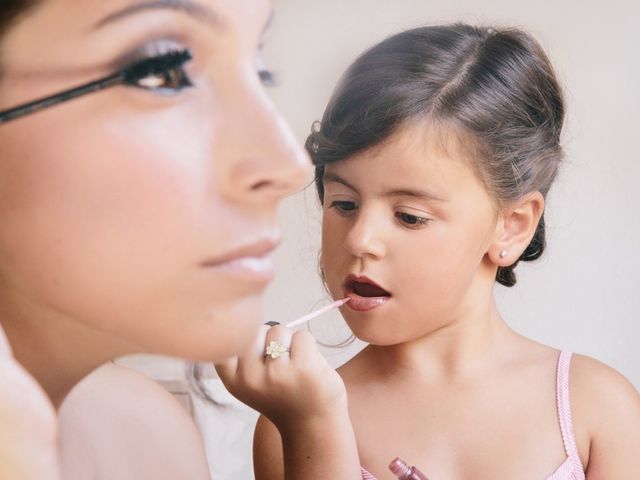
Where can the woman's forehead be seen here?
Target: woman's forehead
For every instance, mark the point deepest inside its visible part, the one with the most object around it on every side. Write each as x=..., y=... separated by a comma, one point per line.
x=85, y=16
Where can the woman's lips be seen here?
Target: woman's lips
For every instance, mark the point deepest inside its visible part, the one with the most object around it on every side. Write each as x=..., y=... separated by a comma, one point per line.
x=252, y=262
x=248, y=269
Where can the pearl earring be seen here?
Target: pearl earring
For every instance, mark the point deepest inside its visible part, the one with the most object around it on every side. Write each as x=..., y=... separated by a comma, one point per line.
x=503, y=254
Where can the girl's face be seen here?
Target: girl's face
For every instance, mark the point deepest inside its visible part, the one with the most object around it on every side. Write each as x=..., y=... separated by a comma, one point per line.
x=406, y=229
x=144, y=215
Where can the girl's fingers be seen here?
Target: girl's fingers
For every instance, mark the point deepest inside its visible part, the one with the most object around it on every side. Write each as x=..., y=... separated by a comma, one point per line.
x=277, y=344
x=304, y=350
x=227, y=369
x=5, y=349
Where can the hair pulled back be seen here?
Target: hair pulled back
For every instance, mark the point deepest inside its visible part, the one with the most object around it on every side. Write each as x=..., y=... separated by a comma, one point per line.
x=495, y=86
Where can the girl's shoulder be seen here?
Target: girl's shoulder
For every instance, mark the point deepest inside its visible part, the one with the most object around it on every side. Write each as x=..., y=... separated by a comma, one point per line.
x=605, y=407
x=599, y=394
x=115, y=412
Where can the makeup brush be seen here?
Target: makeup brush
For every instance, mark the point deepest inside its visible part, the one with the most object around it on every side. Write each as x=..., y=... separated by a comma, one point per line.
x=131, y=75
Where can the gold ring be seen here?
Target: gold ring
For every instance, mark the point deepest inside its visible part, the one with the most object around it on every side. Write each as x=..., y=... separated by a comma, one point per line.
x=275, y=349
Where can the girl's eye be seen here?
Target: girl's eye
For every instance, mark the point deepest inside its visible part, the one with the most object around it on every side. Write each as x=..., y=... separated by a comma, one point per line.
x=343, y=206
x=411, y=220
x=171, y=80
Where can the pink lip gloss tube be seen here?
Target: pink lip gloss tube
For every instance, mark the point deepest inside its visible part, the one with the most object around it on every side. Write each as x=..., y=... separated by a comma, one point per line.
x=404, y=472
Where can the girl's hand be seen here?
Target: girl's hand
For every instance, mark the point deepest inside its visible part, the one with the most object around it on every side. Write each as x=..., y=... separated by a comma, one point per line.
x=295, y=387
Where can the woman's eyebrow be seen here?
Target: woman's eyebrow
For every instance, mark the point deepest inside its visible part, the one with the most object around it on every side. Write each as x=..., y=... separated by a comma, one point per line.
x=191, y=8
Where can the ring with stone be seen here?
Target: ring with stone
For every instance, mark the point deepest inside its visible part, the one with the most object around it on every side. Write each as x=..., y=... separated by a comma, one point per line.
x=275, y=349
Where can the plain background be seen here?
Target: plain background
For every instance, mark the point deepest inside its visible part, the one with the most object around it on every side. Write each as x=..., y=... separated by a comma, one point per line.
x=583, y=294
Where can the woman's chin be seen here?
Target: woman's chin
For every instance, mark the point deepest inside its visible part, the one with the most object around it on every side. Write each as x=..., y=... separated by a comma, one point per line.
x=231, y=331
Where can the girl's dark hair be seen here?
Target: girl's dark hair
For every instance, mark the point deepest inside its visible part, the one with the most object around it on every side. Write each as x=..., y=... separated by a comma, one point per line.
x=496, y=87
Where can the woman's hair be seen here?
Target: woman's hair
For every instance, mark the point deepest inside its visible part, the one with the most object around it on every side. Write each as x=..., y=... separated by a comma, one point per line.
x=10, y=12
x=494, y=87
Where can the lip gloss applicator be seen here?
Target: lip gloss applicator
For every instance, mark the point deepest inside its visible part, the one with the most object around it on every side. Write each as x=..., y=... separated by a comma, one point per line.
x=317, y=313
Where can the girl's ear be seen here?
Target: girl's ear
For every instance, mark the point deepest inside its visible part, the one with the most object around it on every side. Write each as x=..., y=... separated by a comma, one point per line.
x=517, y=225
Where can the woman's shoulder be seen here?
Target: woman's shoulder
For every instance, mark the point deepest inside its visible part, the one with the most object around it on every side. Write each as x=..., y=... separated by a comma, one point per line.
x=28, y=427
x=120, y=423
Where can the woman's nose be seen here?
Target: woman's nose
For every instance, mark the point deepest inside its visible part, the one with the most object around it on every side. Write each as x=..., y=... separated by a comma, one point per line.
x=365, y=237
x=267, y=162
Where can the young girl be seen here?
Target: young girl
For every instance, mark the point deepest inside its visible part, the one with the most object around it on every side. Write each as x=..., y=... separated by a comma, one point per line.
x=433, y=161
x=138, y=205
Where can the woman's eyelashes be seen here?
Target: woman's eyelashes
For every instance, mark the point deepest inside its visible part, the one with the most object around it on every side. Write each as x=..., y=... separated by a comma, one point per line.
x=266, y=76
x=408, y=220
x=169, y=81
x=164, y=73
x=173, y=77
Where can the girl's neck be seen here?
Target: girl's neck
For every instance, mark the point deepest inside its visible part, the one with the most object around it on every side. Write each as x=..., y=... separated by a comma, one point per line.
x=463, y=348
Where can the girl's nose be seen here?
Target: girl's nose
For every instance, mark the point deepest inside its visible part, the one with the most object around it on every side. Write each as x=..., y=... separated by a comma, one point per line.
x=364, y=239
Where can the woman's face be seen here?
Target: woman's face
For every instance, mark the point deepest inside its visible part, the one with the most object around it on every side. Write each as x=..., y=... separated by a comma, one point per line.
x=406, y=228
x=148, y=215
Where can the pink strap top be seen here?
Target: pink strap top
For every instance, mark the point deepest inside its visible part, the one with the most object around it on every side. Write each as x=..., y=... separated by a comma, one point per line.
x=571, y=468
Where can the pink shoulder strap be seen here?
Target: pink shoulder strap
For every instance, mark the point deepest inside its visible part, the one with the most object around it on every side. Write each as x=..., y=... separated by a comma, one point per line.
x=366, y=475
x=564, y=411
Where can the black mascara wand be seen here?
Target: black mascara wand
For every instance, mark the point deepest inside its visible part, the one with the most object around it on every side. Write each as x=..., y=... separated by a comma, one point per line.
x=131, y=75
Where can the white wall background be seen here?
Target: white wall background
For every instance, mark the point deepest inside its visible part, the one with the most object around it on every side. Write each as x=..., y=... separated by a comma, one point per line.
x=584, y=294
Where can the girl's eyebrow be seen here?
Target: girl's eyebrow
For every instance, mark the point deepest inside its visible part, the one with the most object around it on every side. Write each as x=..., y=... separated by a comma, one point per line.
x=332, y=177
x=190, y=7
x=412, y=192
x=395, y=192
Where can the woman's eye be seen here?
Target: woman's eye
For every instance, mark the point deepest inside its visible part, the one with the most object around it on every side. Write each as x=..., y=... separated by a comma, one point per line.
x=170, y=80
x=343, y=206
x=266, y=75
x=411, y=220
x=267, y=78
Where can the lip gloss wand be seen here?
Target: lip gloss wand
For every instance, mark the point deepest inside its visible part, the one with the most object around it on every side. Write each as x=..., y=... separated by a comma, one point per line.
x=317, y=313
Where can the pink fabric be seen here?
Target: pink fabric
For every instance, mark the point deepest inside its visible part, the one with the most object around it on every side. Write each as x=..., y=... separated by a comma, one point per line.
x=366, y=475
x=571, y=468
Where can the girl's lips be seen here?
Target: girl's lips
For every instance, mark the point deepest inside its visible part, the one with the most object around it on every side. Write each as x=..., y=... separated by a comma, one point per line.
x=364, y=304
x=362, y=292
